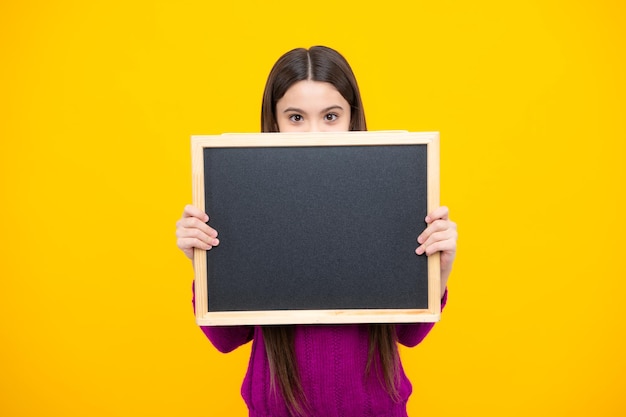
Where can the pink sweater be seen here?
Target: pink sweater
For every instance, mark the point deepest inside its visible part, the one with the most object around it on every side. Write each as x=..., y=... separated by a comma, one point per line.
x=331, y=361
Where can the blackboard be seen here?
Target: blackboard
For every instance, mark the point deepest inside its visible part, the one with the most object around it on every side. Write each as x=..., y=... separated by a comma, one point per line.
x=316, y=227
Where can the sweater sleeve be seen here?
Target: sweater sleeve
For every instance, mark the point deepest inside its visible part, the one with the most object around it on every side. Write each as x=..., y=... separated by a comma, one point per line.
x=225, y=338
x=411, y=335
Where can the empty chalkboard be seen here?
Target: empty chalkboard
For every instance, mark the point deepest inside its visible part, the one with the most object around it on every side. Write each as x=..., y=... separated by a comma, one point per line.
x=316, y=228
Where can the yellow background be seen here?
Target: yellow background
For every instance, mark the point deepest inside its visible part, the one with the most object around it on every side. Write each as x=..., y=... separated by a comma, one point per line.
x=97, y=104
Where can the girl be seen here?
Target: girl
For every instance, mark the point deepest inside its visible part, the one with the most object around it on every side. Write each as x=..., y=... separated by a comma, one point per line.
x=321, y=370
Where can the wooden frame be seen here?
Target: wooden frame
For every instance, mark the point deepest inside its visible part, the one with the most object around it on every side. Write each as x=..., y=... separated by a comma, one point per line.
x=206, y=317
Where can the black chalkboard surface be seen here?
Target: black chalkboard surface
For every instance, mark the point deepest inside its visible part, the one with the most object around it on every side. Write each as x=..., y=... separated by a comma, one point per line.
x=316, y=228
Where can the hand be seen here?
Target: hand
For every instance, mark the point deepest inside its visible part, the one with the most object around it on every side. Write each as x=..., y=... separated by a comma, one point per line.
x=193, y=232
x=440, y=236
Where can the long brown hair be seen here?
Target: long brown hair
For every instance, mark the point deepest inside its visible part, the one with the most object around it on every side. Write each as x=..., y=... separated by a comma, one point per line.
x=319, y=63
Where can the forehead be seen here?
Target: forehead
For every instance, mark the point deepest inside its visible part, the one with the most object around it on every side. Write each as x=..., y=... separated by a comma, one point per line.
x=309, y=94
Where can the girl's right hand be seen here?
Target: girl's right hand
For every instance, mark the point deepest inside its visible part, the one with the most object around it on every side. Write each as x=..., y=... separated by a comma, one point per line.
x=192, y=231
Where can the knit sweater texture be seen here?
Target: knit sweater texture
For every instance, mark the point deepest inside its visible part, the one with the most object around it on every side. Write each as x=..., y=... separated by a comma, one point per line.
x=331, y=361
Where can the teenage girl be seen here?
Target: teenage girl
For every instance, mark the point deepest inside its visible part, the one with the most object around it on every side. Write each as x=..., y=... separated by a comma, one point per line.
x=321, y=370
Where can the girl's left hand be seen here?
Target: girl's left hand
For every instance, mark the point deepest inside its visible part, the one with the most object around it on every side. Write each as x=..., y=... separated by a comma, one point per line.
x=440, y=236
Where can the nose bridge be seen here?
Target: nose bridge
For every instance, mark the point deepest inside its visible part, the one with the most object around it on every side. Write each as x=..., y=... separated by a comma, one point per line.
x=314, y=126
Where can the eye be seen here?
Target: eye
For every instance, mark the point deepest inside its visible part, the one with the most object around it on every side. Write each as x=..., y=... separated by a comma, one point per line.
x=331, y=117
x=295, y=118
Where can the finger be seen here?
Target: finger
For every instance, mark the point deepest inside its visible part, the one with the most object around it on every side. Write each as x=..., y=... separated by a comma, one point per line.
x=188, y=247
x=444, y=240
x=446, y=234
x=196, y=233
x=195, y=223
x=436, y=226
x=188, y=244
x=448, y=246
x=441, y=213
x=193, y=211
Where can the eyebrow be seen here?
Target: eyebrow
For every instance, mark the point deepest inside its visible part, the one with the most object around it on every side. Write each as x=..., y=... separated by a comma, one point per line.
x=297, y=110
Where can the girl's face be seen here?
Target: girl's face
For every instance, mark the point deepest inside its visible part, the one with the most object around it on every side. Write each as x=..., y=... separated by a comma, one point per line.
x=312, y=106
